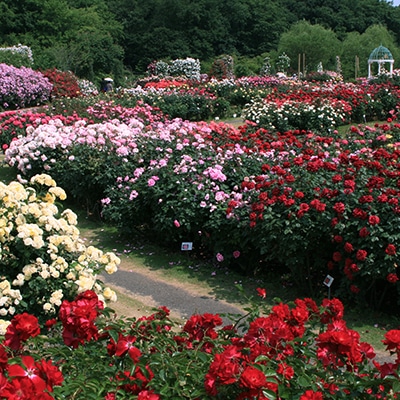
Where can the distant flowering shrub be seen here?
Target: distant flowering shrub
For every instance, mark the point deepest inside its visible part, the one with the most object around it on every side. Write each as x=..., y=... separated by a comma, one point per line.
x=223, y=67
x=65, y=83
x=22, y=87
x=43, y=260
x=188, y=68
x=304, y=114
x=17, y=56
x=87, y=88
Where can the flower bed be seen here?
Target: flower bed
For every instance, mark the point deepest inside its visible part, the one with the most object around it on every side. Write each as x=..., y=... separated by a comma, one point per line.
x=22, y=87
x=304, y=203
x=299, y=351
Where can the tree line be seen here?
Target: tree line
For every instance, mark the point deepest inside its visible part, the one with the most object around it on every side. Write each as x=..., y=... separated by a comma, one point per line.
x=121, y=38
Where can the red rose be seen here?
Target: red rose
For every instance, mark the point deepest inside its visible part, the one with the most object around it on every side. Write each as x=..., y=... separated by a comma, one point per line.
x=311, y=395
x=373, y=220
x=22, y=327
x=262, y=292
x=359, y=213
x=318, y=205
x=364, y=232
x=390, y=250
x=286, y=370
x=338, y=239
x=348, y=247
x=392, y=340
x=392, y=278
x=339, y=208
x=361, y=255
x=148, y=395
x=50, y=373
x=252, y=378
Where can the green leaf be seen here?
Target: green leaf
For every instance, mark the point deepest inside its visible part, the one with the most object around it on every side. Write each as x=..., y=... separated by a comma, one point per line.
x=304, y=381
x=269, y=394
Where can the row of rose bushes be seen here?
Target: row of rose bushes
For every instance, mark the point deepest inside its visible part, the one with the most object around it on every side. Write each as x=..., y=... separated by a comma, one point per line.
x=298, y=351
x=296, y=201
x=273, y=102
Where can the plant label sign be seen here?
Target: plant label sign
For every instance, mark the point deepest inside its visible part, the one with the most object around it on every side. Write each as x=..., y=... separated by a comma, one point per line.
x=186, y=246
x=328, y=281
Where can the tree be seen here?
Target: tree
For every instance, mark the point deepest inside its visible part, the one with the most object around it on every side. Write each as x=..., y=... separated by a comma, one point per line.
x=83, y=40
x=317, y=43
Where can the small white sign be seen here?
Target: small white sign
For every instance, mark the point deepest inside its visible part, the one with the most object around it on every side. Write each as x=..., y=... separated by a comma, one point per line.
x=186, y=246
x=328, y=281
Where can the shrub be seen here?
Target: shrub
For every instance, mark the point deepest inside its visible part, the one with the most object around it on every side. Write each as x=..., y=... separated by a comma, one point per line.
x=22, y=87
x=188, y=68
x=14, y=124
x=297, y=351
x=65, y=83
x=18, y=56
x=43, y=259
x=315, y=115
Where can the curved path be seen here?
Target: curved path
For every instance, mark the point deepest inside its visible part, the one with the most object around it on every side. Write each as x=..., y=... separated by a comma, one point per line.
x=154, y=293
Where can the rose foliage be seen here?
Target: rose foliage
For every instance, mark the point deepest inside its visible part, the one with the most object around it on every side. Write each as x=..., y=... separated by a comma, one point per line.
x=293, y=351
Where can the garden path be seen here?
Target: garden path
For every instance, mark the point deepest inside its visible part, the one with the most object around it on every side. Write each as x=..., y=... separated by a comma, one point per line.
x=150, y=291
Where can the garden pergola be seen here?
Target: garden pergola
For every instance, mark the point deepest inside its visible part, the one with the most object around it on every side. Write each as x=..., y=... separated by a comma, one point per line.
x=381, y=55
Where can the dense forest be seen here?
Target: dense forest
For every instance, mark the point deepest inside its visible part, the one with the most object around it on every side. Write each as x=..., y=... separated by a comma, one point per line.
x=122, y=37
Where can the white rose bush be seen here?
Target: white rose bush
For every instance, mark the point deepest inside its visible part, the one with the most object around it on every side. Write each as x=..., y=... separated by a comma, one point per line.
x=43, y=259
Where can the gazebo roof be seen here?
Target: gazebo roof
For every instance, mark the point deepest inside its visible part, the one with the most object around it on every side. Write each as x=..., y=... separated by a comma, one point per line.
x=380, y=53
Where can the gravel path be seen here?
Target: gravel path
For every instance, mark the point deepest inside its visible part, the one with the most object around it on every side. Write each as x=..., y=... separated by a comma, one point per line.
x=180, y=301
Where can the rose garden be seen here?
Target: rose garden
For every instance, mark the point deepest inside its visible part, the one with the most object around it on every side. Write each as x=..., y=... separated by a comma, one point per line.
x=288, y=190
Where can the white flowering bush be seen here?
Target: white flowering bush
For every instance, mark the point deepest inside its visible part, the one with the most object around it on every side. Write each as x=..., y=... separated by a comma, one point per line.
x=87, y=88
x=17, y=56
x=283, y=63
x=321, y=115
x=43, y=260
x=189, y=67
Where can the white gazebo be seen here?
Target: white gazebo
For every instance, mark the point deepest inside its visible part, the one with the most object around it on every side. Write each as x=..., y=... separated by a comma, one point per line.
x=382, y=56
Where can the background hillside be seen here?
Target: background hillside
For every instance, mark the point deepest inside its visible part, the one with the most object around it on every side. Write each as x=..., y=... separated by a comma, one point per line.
x=122, y=37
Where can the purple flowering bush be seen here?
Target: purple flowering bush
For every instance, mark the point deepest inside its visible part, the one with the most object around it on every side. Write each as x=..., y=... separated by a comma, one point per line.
x=22, y=87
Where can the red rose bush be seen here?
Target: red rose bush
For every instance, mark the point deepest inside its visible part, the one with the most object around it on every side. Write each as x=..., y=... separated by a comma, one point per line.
x=292, y=351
